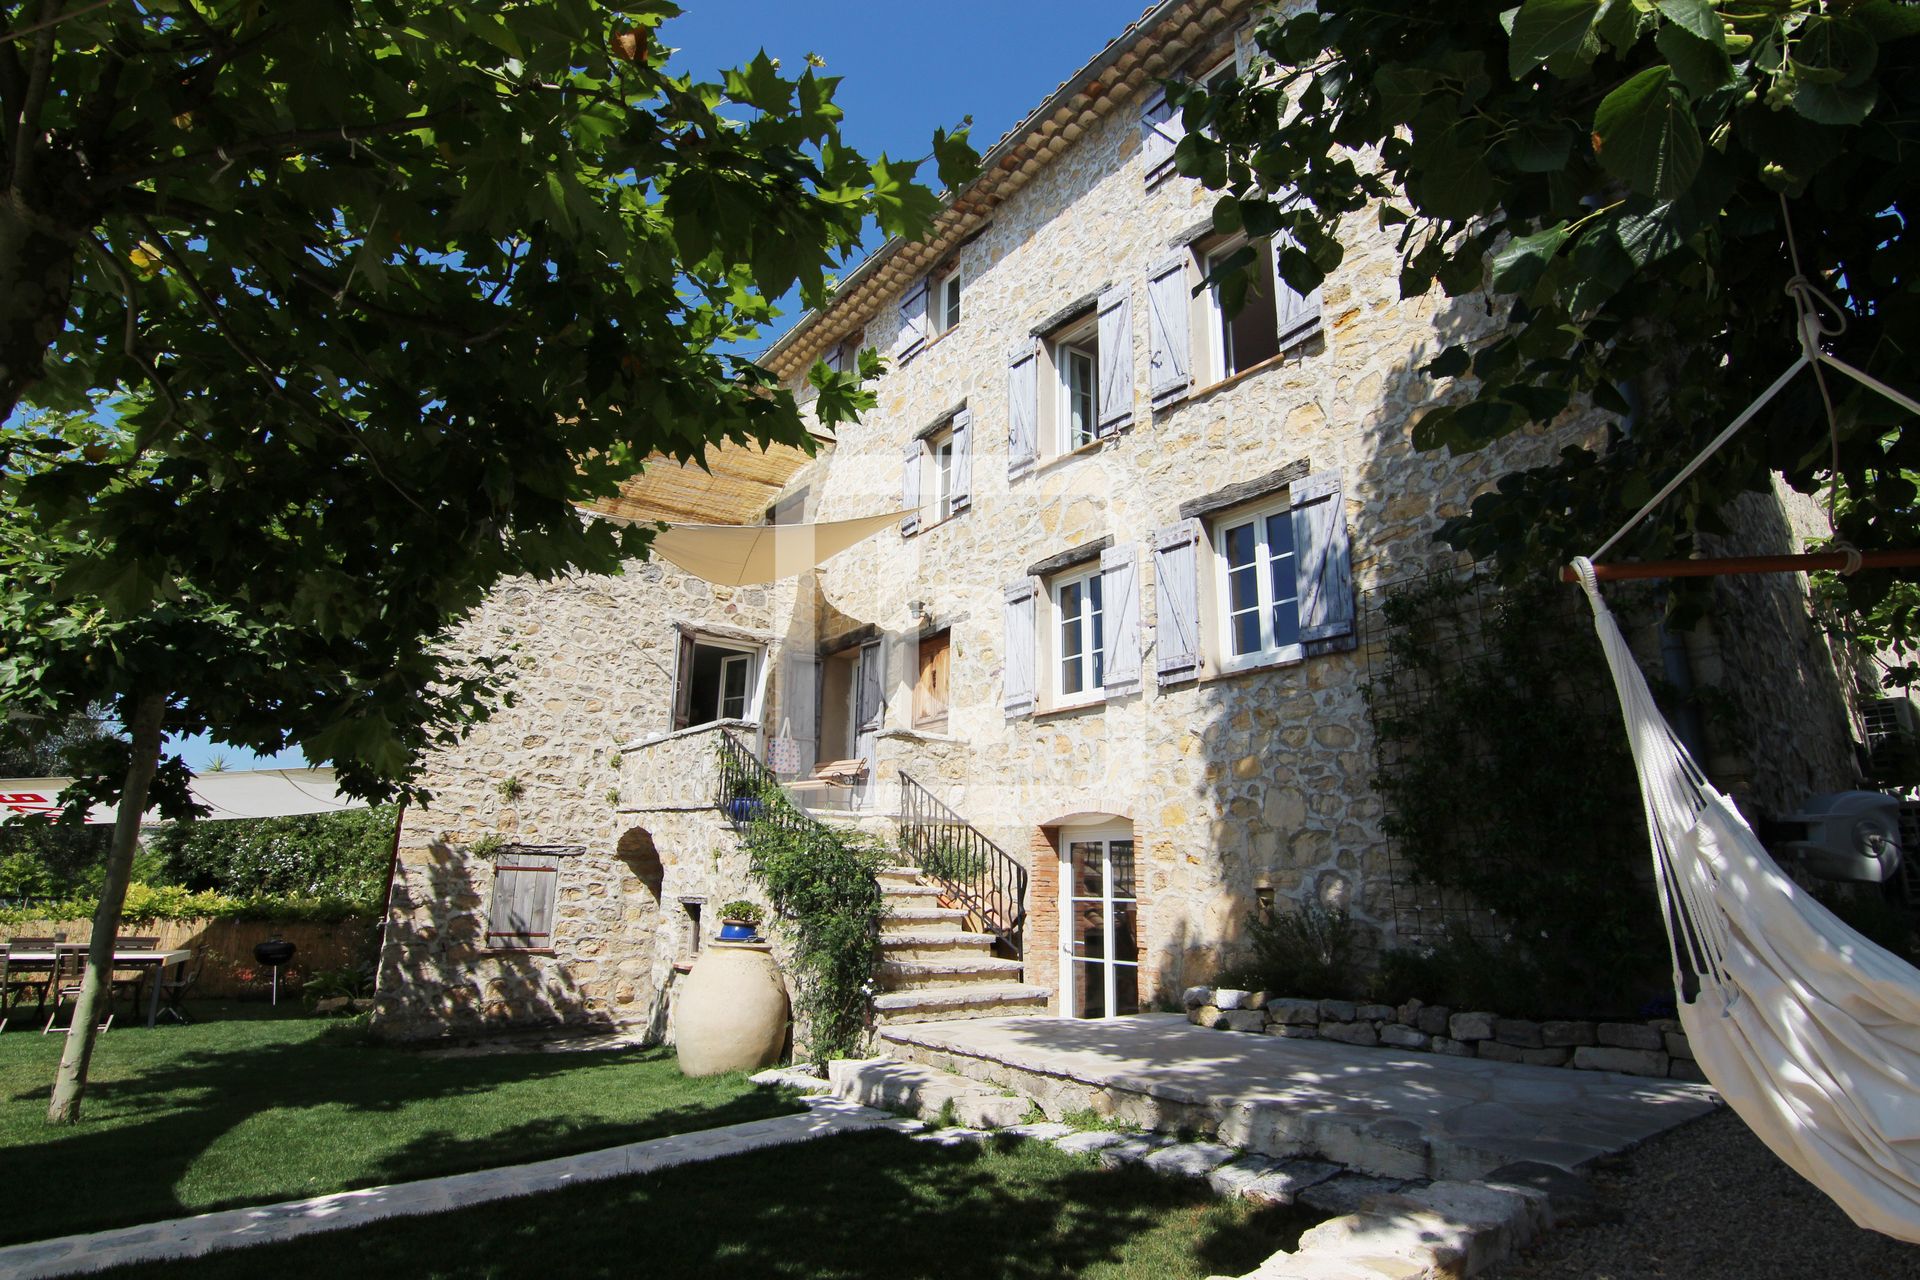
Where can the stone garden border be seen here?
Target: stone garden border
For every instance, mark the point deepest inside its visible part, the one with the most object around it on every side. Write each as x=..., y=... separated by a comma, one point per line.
x=1656, y=1048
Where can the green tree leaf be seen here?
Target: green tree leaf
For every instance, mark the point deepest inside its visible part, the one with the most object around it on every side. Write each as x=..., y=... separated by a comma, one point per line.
x=1645, y=135
x=1520, y=265
x=1546, y=27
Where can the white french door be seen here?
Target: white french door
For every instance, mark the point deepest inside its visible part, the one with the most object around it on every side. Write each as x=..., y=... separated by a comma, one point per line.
x=1100, y=923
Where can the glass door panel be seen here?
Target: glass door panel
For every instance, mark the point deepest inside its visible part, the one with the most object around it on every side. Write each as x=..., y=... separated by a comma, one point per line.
x=1101, y=929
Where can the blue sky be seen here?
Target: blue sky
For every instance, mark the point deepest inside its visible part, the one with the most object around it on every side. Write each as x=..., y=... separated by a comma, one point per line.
x=907, y=70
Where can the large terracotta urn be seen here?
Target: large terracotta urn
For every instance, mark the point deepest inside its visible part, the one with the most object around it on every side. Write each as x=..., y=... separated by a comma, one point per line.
x=731, y=1012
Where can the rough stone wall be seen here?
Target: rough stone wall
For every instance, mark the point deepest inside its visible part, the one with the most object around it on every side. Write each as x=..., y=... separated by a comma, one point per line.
x=1236, y=783
x=1783, y=730
x=593, y=662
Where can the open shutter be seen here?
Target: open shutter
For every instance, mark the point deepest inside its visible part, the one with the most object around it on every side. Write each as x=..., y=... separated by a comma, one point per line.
x=1017, y=683
x=913, y=321
x=800, y=705
x=1120, y=596
x=683, y=682
x=1299, y=314
x=910, y=488
x=1023, y=409
x=1322, y=558
x=1170, y=348
x=961, y=495
x=1176, y=632
x=1161, y=129
x=1116, y=359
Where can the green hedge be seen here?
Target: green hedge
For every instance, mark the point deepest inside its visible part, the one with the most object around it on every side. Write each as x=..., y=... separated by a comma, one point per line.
x=149, y=902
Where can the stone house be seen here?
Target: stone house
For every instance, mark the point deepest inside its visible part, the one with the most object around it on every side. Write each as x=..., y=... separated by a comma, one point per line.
x=1113, y=644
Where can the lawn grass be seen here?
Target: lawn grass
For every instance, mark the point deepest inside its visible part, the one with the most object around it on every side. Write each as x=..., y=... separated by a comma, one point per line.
x=859, y=1205
x=248, y=1106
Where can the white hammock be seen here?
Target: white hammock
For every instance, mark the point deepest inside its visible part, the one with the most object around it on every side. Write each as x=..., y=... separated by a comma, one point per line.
x=1809, y=1031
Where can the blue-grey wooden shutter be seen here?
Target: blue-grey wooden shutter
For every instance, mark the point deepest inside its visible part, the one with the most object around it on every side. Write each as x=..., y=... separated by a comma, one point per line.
x=1169, y=346
x=1023, y=408
x=1017, y=670
x=523, y=895
x=961, y=493
x=1116, y=359
x=1176, y=586
x=1299, y=314
x=1322, y=558
x=1120, y=599
x=910, y=488
x=1161, y=129
x=913, y=321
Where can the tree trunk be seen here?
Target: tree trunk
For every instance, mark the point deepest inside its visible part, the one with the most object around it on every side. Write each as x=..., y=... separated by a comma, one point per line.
x=71, y=1079
x=36, y=283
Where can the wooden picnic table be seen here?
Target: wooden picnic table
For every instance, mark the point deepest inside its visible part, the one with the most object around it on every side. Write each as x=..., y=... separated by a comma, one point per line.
x=158, y=961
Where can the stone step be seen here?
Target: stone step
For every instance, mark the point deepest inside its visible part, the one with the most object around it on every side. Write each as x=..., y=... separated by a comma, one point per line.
x=908, y=893
x=953, y=971
x=976, y=1000
x=923, y=918
x=933, y=944
x=899, y=873
x=924, y=1091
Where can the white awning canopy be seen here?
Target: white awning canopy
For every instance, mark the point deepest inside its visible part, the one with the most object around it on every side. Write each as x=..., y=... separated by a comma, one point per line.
x=742, y=555
x=261, y=793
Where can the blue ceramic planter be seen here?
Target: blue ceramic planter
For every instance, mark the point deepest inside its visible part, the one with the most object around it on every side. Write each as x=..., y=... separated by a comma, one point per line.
x=743, y=808
x=735, y=931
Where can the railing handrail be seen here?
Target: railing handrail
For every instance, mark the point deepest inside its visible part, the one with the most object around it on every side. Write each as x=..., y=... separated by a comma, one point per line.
x=988, y=881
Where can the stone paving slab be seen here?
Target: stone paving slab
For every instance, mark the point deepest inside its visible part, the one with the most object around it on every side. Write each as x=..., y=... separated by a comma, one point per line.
x=1395, y=1113
x=259, y=1224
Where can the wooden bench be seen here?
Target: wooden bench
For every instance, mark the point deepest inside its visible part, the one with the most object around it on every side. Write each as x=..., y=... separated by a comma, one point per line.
x=835, y=781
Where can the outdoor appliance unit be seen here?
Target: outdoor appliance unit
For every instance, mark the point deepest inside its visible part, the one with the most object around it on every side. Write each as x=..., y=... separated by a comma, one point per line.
x=275, y=951
x=1845, y=835
x=1893, y=741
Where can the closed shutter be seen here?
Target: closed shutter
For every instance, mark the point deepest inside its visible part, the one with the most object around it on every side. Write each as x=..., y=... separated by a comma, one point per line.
x=930, y=690
x=1170, y=348
x=913, y=321
x=1299, y=314
x=1120, y=597
x=1161, y=129
x=1322, y=558
x=962, y=492
x=910, y=488
x=1023, y=409
x=1176, y=632
x=1017, y=683
x=523, y=894
x=1116, y=359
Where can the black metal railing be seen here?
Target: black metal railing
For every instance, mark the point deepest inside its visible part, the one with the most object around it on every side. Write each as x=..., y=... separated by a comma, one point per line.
x=969, y=868
x=746, y=784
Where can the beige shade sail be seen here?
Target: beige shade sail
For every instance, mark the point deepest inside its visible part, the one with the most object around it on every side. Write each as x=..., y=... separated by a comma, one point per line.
x=235, y=793
x=741, y=555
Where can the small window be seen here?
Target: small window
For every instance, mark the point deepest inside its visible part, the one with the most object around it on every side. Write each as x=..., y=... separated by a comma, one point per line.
x=520, y=917
x=930, y=688
x=940, y=472
x=692, y=907
x=943, y=299
x=1259, y=605
x=1070, y=417
x=1253, y=335
x=716, y=681
x=845, y=358
x=1080, y=638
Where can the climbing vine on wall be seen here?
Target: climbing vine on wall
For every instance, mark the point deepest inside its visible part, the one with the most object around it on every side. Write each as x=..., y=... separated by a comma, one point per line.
x=1507, y=782
x=824, y=884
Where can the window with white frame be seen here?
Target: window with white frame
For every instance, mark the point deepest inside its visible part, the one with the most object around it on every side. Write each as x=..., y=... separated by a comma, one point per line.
x=1076, y=364
x=717, y=680
x=1251, y=336
x=1258, y=603
x=940, y=472
x=943, y=299
x=1079, y=631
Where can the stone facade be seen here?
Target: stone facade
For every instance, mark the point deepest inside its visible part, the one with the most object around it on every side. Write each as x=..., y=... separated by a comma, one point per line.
x=1240, y=787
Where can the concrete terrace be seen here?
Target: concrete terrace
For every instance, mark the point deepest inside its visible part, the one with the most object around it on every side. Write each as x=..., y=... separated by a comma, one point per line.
x=1380, y=1111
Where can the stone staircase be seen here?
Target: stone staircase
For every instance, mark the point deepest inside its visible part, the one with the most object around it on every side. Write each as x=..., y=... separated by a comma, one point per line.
x=933, y=968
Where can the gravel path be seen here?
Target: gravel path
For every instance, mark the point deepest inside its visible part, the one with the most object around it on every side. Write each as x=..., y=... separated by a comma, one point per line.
x=1709, y=1202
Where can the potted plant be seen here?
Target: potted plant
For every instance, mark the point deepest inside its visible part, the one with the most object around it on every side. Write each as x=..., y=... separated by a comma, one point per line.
x=740, y=920
x=744, y=804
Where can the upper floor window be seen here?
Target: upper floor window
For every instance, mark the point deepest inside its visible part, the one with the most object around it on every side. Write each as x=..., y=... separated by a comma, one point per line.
x=716, y=680
x=940, y=468
x=1195, y=341
x=1252, y=335
x=1080, y=633
x=1259, y=591
x=937, y=472
x=944, y=299
x=1076, y=363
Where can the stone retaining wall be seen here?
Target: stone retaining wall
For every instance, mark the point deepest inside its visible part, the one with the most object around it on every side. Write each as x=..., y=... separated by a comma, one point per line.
x=225, y=948
x=1657, y=1047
